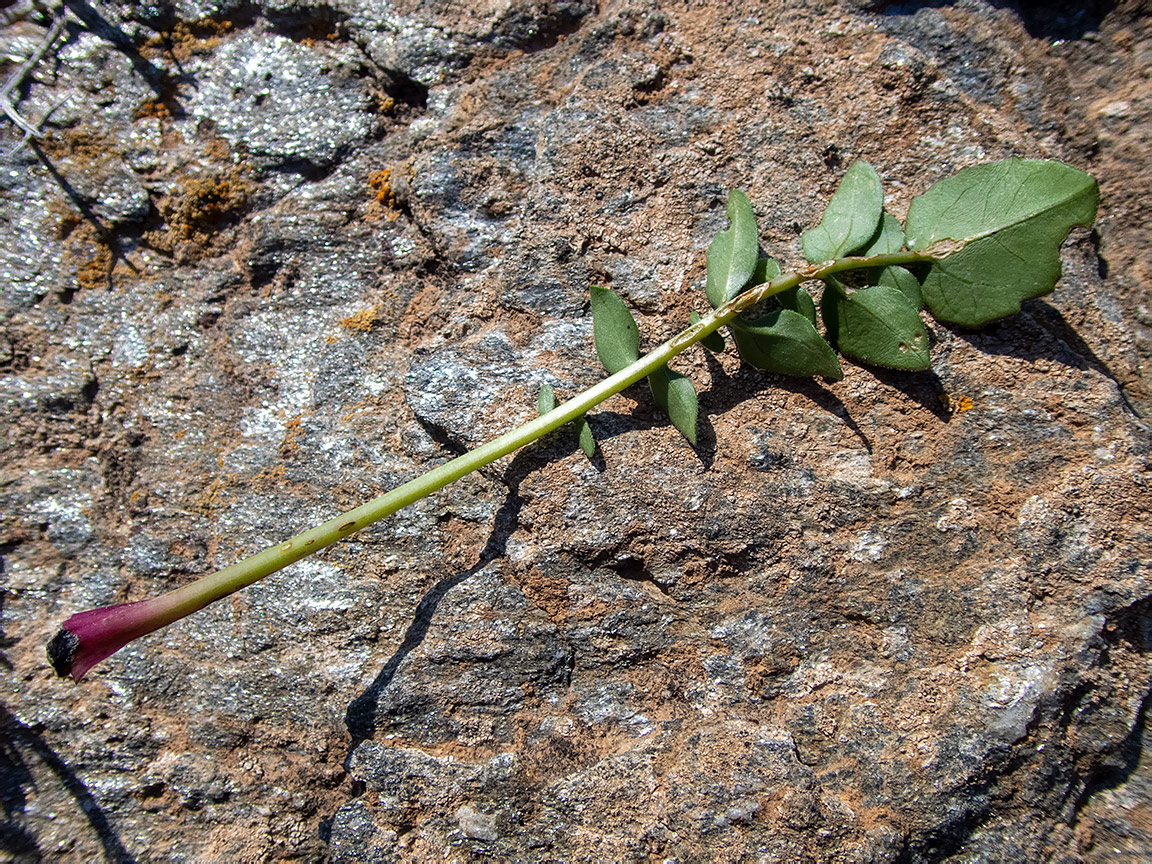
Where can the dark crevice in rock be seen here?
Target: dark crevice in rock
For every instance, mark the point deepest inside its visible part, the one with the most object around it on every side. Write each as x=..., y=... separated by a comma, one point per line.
x=404, y=89
x=1128, y=630
x=310, y=24
x=538, y=26
x=633, y=569
x=396, y=84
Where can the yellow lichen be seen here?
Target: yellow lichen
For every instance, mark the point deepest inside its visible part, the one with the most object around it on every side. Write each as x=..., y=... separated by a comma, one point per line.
x=956, y=404
x=363, y=321
x=379, y=180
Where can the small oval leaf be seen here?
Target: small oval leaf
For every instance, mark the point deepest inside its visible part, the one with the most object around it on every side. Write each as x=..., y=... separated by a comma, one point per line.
x=1009, y=218
x=766, y=270
x=785, y=342
x=675, y=394
x=614, y=330
x=546, y=401
x=851, y=218
x=587, y=440
x=732, y=252
x=878, y=325
x=889, y=237
x=800, y=301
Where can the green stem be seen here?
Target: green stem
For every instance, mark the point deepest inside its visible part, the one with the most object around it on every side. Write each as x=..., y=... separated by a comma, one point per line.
x=196, y=595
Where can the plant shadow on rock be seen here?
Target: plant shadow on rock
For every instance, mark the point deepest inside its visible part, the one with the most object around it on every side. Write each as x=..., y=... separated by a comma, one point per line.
x=360, y=716
x=159, y=79
x=1040, y=331
x=1060, y=20
x=104, y=234
x=17, y=741
x=1132, y=626
x=1128, y=631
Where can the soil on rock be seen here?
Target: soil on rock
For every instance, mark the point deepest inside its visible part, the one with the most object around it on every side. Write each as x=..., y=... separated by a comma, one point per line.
x=270, y=260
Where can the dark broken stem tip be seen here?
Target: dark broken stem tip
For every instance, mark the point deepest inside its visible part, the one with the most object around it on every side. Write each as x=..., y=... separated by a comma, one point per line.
x=62, y=651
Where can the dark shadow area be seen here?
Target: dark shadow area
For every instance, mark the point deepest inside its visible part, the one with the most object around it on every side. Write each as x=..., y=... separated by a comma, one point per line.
x=728, y=391
x=16, y=776
x=1129, y=630
x=1060, y=20
x=923, y=387
x=107, y=237
x=6, y=641
x=1040, y=332
x=823, y=397
x=360, y=716
x=156, y=77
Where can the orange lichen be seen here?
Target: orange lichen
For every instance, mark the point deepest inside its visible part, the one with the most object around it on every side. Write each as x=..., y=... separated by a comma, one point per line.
x=380, y=181
x=290, y=444
x=956, y=404
x=202, y=207
x=152, y=108
x=186, y=39
x=363, y=321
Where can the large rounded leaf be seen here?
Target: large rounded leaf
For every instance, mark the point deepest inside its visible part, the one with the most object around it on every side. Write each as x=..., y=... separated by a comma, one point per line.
x=1007, y=220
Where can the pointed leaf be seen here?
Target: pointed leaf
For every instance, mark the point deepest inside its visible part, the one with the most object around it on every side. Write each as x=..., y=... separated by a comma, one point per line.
x=675, y=394
x=546, y=401
x=714, y=342
x=904, y=281
x=786, y=342
x=889, y=237
x=614, y=330
x=851, y=218
x=800, y=301
x=587, y=440
x=1011, y=217
x=766, y=270
x=878, y=325
x=732, y=253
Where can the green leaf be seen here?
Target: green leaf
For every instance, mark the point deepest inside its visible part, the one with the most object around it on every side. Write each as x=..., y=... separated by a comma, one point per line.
x=851, y=218
x=587, y=440
x=675, y=394
x=786, y=342
x=714, y=342
x=1011, y=217
x=732, y=253
x=904, y=281
x=889, y=237
x=766, y=270
x=878, y=325
x=546, y=401
x=799, y=301
x=614, y=330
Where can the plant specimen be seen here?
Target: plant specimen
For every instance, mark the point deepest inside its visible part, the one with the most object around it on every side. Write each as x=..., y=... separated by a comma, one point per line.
x=973, y=247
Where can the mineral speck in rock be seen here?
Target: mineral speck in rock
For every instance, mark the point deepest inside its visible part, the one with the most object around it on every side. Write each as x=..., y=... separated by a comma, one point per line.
x=475, y=825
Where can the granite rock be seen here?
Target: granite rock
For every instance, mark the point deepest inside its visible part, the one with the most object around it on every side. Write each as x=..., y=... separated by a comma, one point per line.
x=271, y=259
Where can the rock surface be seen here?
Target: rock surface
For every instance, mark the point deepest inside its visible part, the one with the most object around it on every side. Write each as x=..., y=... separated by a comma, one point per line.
x=271, y=259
